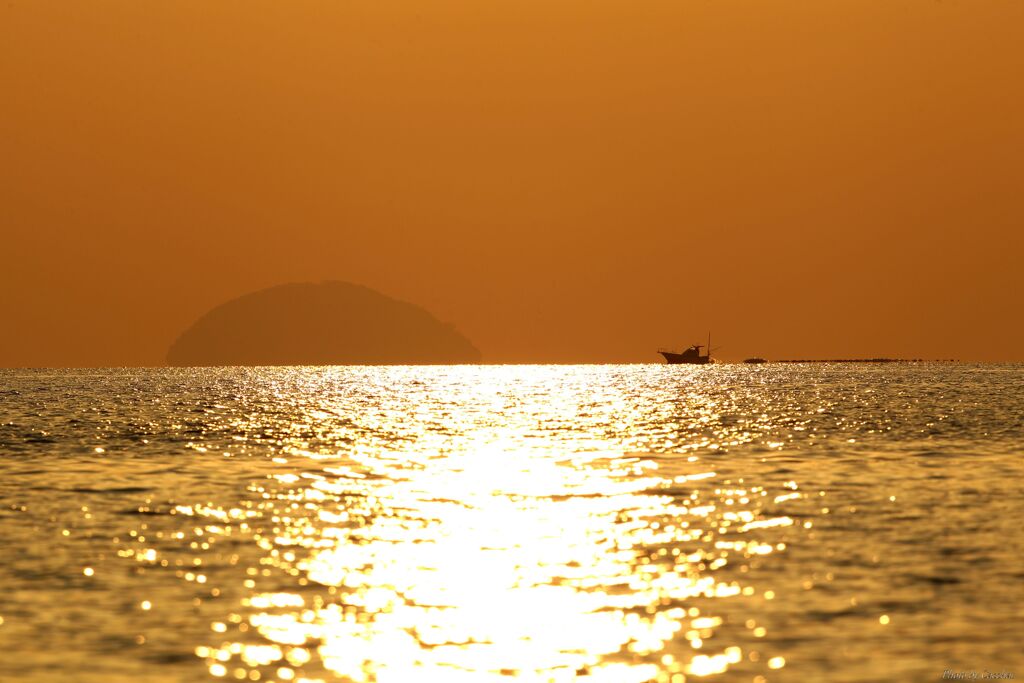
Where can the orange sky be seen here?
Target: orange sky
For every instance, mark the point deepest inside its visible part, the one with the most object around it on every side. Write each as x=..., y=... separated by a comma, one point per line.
x=563, y=180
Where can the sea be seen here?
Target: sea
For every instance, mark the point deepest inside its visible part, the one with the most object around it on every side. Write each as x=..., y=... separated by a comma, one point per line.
x=592, y=523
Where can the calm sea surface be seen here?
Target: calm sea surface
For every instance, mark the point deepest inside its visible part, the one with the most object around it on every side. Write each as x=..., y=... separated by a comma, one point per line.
x=538, y=523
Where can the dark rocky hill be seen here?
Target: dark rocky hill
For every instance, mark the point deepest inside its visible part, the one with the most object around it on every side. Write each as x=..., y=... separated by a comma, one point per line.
x=329, y=323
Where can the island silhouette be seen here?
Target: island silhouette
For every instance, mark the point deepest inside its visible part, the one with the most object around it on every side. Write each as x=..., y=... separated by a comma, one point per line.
x=326, y=323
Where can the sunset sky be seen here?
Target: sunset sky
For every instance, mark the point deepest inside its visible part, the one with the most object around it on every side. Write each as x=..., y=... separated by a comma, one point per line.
x=563, y=180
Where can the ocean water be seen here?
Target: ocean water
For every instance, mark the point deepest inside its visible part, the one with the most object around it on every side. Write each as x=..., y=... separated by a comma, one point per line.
x=539, y=523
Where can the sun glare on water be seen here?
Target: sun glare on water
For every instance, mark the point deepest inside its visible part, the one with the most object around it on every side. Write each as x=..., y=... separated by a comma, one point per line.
x=501, y=557
x=481, y=565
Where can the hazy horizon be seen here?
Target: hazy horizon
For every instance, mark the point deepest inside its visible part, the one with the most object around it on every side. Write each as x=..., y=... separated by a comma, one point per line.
x=236, y=330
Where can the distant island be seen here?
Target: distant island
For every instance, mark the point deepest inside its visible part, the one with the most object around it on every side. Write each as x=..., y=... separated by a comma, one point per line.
x=327, y=323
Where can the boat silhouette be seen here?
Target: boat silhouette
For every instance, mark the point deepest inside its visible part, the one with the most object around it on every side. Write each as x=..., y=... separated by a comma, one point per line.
x=690, y=356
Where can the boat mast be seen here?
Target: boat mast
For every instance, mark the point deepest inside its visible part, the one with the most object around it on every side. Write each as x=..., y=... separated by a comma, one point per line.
x=708, y=352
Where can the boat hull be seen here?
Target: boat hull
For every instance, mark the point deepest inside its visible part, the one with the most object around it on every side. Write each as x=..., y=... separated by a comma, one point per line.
x=684, y=359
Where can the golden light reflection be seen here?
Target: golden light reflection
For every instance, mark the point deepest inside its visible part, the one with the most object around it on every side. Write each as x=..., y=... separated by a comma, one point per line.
x=494, y=563
x=484, y=553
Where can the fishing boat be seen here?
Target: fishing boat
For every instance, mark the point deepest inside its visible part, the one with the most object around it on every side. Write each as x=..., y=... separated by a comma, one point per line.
x=691, y=356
